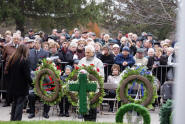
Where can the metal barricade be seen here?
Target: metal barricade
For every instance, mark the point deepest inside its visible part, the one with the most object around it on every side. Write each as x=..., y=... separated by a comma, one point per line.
x=164, y=73
x=107, y=70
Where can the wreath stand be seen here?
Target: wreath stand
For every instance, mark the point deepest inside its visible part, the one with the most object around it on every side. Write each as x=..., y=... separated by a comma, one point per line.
x=131, y=114
x=82, y=87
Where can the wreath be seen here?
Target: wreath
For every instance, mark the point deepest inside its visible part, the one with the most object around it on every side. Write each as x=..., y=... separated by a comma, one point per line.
x=132, y=107
x=141, y=76
x=165, y=112
x=171, y=117
x=47, y=83
x=94, y=98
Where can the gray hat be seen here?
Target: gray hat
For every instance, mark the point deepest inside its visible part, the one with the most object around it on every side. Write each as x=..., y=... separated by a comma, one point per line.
x=68, y=66
x=140, y=50
x=30, y=41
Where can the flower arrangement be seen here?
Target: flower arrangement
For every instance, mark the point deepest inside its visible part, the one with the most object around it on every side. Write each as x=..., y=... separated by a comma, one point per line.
x=93, y=98
x=49, y=91
x=138, y=75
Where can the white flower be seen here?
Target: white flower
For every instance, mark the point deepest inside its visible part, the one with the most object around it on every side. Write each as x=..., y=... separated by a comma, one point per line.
x=83, y=71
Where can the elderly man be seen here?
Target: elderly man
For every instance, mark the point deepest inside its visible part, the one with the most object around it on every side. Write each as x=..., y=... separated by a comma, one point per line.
x=91, y=59
x=124, y=59
x=139, y=57
x=116, y=50
x=8, y=51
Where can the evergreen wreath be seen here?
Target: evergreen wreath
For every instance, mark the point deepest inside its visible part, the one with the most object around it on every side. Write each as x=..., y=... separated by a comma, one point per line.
x=133, y=107
x=165, y=112
x=141, y=76
x=94, y=99
x=50, y=93
x=171, y=117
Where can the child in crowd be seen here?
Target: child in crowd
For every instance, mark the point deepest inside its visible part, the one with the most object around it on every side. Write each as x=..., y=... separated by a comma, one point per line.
x=64, y=101
x=115, y=78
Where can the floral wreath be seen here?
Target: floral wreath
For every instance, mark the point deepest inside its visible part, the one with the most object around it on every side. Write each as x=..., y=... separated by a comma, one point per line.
x=133, y=107
x=94, y=99
x=141, y=76
x=166, y=112
x=50, y=92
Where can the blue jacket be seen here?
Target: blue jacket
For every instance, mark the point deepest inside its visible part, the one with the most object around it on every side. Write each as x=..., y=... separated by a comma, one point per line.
x=120, y=59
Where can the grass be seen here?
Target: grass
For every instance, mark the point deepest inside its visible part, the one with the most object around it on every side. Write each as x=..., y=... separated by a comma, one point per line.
x=49, y=122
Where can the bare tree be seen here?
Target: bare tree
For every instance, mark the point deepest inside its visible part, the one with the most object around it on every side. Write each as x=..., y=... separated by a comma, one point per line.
x=144, y=12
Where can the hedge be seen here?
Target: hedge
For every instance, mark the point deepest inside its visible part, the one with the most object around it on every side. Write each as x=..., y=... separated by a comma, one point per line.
x=50, y=122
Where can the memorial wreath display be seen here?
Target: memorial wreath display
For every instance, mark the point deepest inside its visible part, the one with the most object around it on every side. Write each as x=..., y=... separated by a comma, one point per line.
x=93, y=87
x=141, y=76
x=142, y=111
x=166, y=113
x=47, y=83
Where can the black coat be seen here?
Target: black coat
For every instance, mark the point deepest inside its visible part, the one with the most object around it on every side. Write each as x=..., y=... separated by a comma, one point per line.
x=69, y=57
x=19, y=78
x=109, y=59
x=159, y=61
x=35, y=58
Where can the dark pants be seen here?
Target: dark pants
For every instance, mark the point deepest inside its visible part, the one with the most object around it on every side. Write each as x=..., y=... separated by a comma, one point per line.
x=64, y=101
x=32, y=99
x=8, y=97
x=17, y=108
x=3, y=95
x=110, y=94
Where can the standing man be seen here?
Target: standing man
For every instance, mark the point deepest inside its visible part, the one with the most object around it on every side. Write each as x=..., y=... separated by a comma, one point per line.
x=91, y=59
x=36, y=55
x=8, y=51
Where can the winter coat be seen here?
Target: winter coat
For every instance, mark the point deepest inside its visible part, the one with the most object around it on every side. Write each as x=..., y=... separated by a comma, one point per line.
x=19, y=78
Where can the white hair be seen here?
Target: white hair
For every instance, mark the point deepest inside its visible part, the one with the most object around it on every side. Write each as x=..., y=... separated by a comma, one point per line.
x=75, y=40
x=50, y=40
x=124, y=39
x=151, y=50
x=106, y=35
x=73, y=44
x=90, y=47
x=170, y=49
x=16, y=35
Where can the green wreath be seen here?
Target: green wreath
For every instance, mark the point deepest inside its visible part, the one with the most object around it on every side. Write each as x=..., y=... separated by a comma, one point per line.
x=132, y=107
x=171, y=117
x=50, y=93
x=165, y=112
x=141, y=76
x=93, y=75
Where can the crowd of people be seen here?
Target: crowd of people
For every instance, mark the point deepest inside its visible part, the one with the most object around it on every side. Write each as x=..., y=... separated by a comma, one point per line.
x=110, y=55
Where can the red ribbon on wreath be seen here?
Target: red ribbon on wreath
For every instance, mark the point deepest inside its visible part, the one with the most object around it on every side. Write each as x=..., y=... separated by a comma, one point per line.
x=51, y=82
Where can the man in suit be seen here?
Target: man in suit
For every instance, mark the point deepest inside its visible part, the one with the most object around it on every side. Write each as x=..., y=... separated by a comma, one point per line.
x=36, y=55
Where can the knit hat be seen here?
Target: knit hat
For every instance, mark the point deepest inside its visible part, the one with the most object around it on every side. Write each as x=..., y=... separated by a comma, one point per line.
x=68, y=66
x=126, y=49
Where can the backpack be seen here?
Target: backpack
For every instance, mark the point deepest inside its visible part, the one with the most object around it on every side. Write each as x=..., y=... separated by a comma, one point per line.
x=167, y=90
